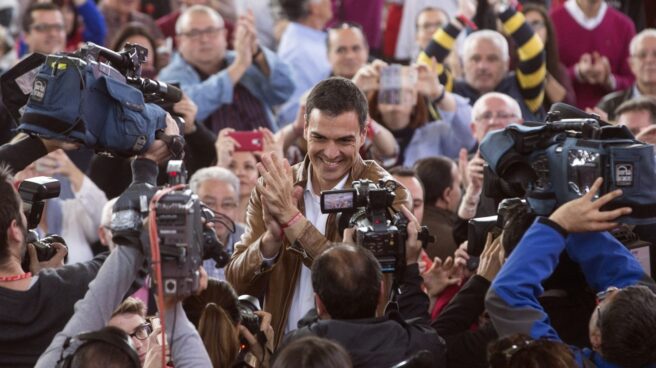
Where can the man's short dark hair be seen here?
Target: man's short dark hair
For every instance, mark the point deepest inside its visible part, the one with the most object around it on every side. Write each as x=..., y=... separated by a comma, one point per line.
x=27, y=18
x=347, y=279
x=628, y=327
x=9, y=210
x=638, y=104
x=294, y=10
x=406, y=172
x=435, y=174
x=335, y=96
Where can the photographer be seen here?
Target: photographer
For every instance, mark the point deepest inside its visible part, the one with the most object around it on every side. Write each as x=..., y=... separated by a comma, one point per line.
x=623, y=324
x=113, y=281
x=286, y=229
x=34, y=306
x=348, y=285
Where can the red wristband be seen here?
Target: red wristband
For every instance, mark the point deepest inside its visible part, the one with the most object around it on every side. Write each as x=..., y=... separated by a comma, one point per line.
x=291, y=222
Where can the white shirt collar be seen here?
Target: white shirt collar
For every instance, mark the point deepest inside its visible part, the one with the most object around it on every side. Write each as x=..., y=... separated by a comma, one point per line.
x=581, y=19
x=308, y=186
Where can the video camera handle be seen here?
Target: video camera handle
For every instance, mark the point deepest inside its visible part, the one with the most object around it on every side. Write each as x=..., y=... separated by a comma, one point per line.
x=129, y=63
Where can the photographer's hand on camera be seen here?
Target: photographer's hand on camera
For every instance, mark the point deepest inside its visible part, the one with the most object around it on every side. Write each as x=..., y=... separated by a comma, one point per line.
x=584, y=215
x=280, y=198
x=261, y=352
x=491, y=259
x=412, y=243
x=56, y=261
x=187, y=109
x=159, y=151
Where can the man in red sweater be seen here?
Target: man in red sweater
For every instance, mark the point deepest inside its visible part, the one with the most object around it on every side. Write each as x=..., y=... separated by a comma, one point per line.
x=593, y=43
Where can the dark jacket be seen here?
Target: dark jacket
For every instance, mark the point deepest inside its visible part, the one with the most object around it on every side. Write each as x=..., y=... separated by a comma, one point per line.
x=385, y=341
x=30, y=319
x=466, y=348
x=613, y=100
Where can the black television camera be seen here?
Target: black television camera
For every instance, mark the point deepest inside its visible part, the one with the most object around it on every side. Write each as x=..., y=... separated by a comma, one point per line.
x=479, y=227
x=184, y=236
x=558, y=161
x=379, y=227
x=94, y=96
x=34, y=192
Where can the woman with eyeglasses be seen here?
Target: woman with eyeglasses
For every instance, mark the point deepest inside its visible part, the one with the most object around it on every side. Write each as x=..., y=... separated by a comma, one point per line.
x=558, y=86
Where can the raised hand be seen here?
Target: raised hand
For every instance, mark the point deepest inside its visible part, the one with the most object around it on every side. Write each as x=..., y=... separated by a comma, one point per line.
x=584, y=214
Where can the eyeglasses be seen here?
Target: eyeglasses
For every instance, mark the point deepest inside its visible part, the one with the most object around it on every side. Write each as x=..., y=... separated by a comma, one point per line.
x=429, y=26
x=486, y=116
x=601, y=296
x=642, y=55
x=536, y=24
x=43, y=28
x=142, y=331
x=198, y=33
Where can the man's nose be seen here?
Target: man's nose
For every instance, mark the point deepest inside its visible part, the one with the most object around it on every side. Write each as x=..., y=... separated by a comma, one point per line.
x=331, y=151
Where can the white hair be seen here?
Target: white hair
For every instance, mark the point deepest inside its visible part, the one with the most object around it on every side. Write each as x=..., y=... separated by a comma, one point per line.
x=197, y=9
x=213, y=173
x=637, y=39
x=510, y=102
x=486, y=34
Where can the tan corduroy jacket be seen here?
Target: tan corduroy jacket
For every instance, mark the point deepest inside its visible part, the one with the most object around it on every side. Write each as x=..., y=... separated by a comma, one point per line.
x=249, y=274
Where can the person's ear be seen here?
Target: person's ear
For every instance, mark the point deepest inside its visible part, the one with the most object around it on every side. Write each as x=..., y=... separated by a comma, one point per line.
x=472, y=126
x=321, y=308
x=14, y=232
x=446, y=195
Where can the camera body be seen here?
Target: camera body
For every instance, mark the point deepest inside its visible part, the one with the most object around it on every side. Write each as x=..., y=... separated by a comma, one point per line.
x=247, y=306
x=34, y=192
x=558, y=161
x=378, y=227
x=184, y=235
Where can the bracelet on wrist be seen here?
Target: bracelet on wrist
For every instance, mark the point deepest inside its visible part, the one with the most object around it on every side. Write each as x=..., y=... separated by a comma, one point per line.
x=439, y=98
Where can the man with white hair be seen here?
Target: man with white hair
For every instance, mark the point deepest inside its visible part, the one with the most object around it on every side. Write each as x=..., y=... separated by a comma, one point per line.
x=493, y=111
x=218, y=189
x=486, y=61
x=232, y=89
x=642, y=61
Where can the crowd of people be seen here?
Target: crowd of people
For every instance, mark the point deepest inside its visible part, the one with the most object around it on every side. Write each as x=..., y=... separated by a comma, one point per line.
x=285, y=99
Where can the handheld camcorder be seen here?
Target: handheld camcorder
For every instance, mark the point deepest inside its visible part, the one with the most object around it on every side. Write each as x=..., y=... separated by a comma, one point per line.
x=558, y=161
x=34, y=192
x=184, y=235
x=379, y=228
x=94, y=96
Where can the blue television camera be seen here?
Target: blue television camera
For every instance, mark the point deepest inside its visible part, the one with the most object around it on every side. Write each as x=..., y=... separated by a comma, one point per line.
x=94, y=96
x=558, y=161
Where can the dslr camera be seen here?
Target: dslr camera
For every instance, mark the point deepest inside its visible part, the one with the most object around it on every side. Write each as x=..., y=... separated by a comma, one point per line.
x=378, y=227
x=34, y=192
